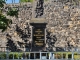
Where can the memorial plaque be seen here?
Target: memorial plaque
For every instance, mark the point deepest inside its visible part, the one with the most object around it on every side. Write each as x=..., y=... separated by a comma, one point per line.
x=38, y=34
x=38, y=37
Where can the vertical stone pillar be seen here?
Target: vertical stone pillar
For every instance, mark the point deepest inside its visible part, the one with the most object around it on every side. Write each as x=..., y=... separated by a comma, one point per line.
x=45, y=35
x=31, y=37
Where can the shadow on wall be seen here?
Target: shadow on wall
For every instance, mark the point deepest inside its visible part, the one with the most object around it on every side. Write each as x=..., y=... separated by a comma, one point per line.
x=23, y=33
x=11, y=45
x=59, y=49
x=51, y=40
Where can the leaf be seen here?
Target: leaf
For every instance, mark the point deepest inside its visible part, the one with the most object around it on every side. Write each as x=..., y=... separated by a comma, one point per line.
x=4, y=29
x=13, y=12
x=4, y=22
x=2, y=2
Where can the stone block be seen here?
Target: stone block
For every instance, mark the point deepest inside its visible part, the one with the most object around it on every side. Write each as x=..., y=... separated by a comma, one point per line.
x=73, y=18
x=66, y=8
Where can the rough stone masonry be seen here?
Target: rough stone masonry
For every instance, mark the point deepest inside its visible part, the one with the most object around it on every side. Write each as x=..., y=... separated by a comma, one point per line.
x=63, y=29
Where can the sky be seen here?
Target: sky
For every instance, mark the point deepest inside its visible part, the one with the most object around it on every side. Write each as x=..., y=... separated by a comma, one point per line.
x=10, y=1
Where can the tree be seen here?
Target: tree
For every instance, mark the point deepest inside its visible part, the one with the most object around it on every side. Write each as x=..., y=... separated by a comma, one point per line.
x=4, y=21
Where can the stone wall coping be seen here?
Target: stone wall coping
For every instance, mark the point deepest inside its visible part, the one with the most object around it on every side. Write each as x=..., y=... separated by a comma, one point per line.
x=38, y=20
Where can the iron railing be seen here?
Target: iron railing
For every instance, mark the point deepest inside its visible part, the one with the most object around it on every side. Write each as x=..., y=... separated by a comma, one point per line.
x=42, y=56
x=39, y=59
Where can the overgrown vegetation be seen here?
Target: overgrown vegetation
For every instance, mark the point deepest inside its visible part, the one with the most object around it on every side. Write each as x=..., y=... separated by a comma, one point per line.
x=4, y=21
x=3, y=56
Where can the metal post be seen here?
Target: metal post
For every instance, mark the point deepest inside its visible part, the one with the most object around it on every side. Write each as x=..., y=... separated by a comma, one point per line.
x=53, y=55
x=46, y=55
x=62, y=56
x=50, y=55
x=40, y=55
x=18, y=55
x=72, y=55
x=7, y=53
x=66, y=56
x=13, y=56
x=34, y=55
x=29, y=55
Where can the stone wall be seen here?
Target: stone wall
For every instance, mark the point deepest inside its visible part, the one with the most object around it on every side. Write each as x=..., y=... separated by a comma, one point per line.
x=64, y=22
x=63, y=29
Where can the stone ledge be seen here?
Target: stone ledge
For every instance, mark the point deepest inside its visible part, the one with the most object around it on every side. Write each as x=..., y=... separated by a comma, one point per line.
x=38, y=20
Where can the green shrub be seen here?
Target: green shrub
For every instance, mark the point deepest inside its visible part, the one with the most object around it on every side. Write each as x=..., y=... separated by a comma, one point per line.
x=27, y=55
x=3, y=56
x=16, y=56
x=10, y=56
x=69, y=56
x=20, y=55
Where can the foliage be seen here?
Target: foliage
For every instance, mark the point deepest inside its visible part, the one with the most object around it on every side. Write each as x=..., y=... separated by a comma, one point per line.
x=26, y=0
x=13, y=12
x=58, y=55
x=16, y=56
x=77, y=56
x=4, y=21
x=3, y=56
x=10, y=56
x=20, y=55
x=2, y=2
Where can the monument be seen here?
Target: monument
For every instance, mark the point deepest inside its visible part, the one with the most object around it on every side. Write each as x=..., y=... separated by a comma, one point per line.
x=38, y=34
x=38, y=29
